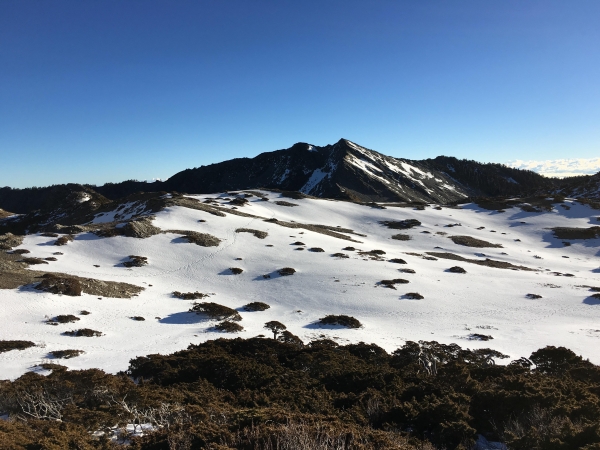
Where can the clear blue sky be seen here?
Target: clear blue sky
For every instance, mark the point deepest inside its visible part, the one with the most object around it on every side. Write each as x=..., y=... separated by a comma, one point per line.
x=96, y=91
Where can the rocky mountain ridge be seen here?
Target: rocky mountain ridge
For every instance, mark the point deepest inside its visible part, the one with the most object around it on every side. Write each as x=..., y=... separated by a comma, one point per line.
x=343, y=170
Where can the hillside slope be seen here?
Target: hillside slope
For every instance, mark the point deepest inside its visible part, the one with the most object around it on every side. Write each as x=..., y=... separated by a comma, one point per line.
x=347, y=261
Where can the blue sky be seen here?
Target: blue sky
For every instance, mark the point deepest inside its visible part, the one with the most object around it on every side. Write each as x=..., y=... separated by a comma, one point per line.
x=99, y=91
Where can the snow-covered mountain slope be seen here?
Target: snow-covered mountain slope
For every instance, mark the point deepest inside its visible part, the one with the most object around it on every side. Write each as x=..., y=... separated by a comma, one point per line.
x=456, y=307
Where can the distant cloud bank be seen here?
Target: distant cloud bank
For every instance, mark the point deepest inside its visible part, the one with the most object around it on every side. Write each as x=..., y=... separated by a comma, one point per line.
x=559, y=168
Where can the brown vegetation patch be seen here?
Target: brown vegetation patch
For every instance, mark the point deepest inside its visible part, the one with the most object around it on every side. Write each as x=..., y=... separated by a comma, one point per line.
x=533, y=296
x=9, y=241
x=349, y=249
x=189, y=295
x=327, y=230
x=390, y=283
x=456, y=269
x=83, y=332
x=297, y=243
x=576, y=233
x=479, y=337
x=57, y=284
x=340, y=255
x=401, y=237
x=194, y=237
x=66, y=354
x=341, y=320
x=228, y=326
x=20, y=251
x=316, y=250
x=238, y=201
x=256, y=306
x=138, y=318
x=286, y=271
x=6, y=346
x=284, y=203
x=487, y=262
x=49, y=234
x=257, y=233
x=401, y=224
x=33, y=260
x=136, y=261
x=64, y=240
x=215, y=311
x=397, y=261
x=406, y=270
x=413, y=296
x=50, y=258
x=469, y=241
x=65, y=318
x=236, y=270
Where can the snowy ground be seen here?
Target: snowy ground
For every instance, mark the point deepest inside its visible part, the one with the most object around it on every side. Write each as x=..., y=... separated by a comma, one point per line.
x=485, y=300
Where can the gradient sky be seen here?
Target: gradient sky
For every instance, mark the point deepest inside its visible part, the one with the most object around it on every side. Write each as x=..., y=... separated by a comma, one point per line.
x=99, y=91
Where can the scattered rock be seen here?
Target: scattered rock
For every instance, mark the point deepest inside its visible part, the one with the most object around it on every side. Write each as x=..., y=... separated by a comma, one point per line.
x=456, y=269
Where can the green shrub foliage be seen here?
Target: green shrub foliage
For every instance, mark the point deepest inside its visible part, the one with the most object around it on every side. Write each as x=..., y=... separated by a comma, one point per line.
x=256, y=393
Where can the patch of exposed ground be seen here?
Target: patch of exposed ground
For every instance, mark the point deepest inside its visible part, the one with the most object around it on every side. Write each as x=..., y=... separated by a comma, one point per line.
x=8, y=241
x=257, y=233
x=194, y=237
x=14, y=274
x=469, y=241
x=401, y=224
x=487, y=262
x=576, y=233
x=322, y=229
x=5, y=214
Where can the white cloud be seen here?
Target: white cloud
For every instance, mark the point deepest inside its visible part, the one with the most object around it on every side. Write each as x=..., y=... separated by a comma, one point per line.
x=559, y=168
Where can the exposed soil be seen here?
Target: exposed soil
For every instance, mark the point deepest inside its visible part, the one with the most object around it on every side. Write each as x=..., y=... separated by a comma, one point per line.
x=487, y=262
x=469, y=241
x=194, y=237
x=576, y=233
x=257, y=233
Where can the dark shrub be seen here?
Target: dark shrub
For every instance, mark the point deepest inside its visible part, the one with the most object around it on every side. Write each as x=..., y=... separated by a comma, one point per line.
x=402, y=224
x=286, y=271
x=401, y=237
x=236, y=270
x=479, y=337
x=284, y=203
x=340, y=255
x=390, y=283
x=49, y=234
x=66, y=318
x=257, y=233
x=406, y=270
x=60, y=285
x=6, y=346
x=256, y=306
x=576, y=233
x=136, y=261
x=64, y=240
x=316, y=249
x=20, y=251
x=397, y=261
x=413, y=296
x=84, y=313
x=137, y=318
x=349, y=249
x=66, y=354
x=341, y=320
x=215, y=311
x=298, y=243
x=50, y=258
x=238, y=201
x=33, y=261
x=189, y=295
x=85, y=332
x=290, y=338
x=456, y=269
x=533, y=296
x=469, y=241
x=228, y=327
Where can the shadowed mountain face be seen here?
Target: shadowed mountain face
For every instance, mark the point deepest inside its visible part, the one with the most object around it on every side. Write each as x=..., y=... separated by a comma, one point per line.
x=343, y=170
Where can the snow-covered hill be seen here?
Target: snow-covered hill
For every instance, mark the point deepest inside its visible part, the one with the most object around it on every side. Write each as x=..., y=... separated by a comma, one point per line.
x=489, y=300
